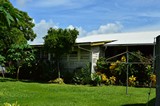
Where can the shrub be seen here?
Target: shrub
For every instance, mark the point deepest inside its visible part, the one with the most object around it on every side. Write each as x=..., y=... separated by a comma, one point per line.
x=57, y=80
x=82, y=75
x=103, y=77
x=153, y=79
x=132, y=80
x=96, y=78
x=112, y=80
x=101, y=65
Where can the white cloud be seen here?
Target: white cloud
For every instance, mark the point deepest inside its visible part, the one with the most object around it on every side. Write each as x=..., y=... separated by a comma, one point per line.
x=108, y=28
x=82, y=32
x=41, y=29
x=70, y=27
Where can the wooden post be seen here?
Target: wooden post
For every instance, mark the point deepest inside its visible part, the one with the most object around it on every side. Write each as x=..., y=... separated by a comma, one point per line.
x=157, y=71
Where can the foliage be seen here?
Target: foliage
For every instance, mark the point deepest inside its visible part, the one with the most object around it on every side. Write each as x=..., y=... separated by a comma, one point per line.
x=15, y=28
x=101, y=65
x=21, y=54
x=153, y=79
x=14, y=18
x=96, y=78
x=2, y=60
x=82, y=75
x=132, y=80
x=13, y=104
x=8, y=13
x=99, y=78
x=112, y=80
x=103, y=77
x=57, y=80
x=40, y=70
x=68, y=76
x=118, y=69
x=60, y=42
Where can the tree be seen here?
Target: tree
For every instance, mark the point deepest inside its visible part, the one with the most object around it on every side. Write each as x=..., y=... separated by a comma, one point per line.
x=60, y=42
x=15, y=29
x=11, y=17
x=8, y=13
x=21, y=54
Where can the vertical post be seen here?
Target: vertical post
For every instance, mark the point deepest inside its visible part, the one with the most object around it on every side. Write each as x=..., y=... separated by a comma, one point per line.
x=127, y=72
x=158, y=71
x=91, y=57
x=49, y=56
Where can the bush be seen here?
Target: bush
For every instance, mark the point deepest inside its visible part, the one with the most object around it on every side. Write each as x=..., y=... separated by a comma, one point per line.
x=118, y=69
x=67, y=76
x=132, y=80
x=96, y=78
x=101, y=65
x=57, y=80
x=153, y=79
x=82, y=75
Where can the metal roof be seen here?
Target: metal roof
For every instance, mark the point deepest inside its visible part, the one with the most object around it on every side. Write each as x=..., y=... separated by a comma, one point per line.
x=131, y=38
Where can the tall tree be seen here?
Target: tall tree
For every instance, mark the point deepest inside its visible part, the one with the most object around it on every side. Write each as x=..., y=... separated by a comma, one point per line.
x=8, y=13
x=11, y=17
x=60, y=42
x=21, y=54
x=15, y=30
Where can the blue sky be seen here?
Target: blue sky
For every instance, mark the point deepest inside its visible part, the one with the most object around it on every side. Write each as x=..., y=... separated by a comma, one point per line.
x=92, y=16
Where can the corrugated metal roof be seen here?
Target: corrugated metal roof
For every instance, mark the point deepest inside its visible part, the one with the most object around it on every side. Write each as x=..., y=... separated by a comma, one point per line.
x=132, y=38
x=123, y=38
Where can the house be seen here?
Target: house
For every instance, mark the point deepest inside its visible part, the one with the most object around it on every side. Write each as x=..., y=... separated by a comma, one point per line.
x=88, y=49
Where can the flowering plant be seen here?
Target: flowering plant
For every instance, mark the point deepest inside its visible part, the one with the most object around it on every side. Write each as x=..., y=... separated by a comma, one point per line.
x=153, y=79
x=112, y=80
x=132, y=80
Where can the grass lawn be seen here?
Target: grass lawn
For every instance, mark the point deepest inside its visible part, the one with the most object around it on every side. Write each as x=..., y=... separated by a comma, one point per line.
x=39, y=94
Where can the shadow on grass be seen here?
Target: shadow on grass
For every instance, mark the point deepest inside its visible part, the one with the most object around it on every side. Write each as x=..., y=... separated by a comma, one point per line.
x=5, y=79
x=150, y=103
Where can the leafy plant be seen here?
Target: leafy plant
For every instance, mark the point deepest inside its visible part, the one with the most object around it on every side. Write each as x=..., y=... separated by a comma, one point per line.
x=13, y=104
x=153, y=79
x=104, y=77
x=101, y=65
x=132, y=80
x=82, y=76
x=57, y=80
x=112, y=80
x=142, y=70
x=96, y=78
x=2, y=60
x=21, y=54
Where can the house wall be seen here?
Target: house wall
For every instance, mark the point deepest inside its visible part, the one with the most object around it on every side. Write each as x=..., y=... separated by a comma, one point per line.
x=77, y=59
x=80, y=57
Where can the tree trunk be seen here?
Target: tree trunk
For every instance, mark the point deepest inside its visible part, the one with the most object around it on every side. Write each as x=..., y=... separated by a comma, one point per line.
x=59, y=73
x=18, y=72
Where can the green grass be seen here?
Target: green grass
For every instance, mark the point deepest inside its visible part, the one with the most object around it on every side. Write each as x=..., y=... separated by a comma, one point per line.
x=39, y=94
